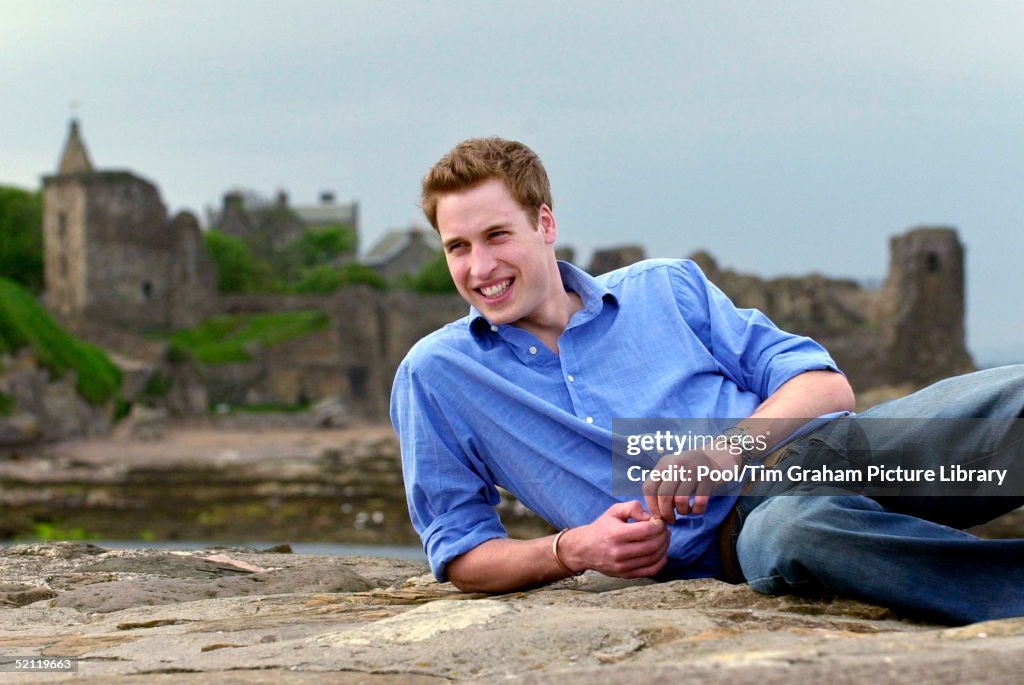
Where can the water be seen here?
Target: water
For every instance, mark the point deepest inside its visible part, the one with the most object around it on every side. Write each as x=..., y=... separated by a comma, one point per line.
x=407, y=552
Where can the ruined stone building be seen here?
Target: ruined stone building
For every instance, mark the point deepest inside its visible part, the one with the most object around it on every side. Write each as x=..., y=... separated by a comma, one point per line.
x=909, y=331
x=112, y=256
x=612, y=258
x=403, y=251
x=268, y=227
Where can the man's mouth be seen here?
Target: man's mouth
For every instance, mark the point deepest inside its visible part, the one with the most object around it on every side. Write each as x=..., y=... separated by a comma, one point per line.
x=495, y=290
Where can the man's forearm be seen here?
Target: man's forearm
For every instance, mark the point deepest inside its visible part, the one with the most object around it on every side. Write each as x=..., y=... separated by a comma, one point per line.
x=624, y=541
x=502, y=565
x=800, y=399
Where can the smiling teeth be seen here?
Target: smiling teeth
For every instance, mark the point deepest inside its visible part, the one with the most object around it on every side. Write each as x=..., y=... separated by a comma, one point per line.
x=497, y=289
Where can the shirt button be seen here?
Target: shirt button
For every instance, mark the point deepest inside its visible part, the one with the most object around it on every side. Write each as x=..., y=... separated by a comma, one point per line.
x=494, y=328
x=590, y=419
x=533, y=350
x=571, y=378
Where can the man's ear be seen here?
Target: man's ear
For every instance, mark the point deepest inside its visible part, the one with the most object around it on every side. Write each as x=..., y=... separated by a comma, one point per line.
x=546, y=224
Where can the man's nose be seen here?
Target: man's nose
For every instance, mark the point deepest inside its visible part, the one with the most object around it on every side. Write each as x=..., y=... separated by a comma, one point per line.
x=482, y=263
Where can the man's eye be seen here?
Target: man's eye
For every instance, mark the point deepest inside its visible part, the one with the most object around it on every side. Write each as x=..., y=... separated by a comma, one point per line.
x=455, y=247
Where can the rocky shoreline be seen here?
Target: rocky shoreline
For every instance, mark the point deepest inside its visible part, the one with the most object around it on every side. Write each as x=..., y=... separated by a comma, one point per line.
x=239, y=615
x=217, y=484
x=210, y=483
x=243, y=616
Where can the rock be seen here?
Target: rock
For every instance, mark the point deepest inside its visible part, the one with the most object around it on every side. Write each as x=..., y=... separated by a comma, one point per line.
x=143, y=423
x=373, y=620
x=20, y=594
x=47, y=407
x=19, y=429
x=612, y=258
x=174, y=578
x=330, y=412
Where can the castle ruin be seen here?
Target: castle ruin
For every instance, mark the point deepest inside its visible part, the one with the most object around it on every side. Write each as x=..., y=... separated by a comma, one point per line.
x=909, y=331
x=111, y=254
x=114, y=260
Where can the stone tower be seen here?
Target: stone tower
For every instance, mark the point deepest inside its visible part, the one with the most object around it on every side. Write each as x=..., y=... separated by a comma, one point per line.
x=923, y=303
x=112, y=256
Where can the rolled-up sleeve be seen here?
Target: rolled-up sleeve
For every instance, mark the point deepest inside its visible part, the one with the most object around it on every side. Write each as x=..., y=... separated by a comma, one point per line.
x=451, y=500
x=753, y=351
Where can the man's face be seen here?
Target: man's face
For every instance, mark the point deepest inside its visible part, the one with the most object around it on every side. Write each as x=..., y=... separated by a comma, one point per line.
x=500, y=260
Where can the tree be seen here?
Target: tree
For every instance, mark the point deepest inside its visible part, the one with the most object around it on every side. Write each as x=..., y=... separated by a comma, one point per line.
x=319, y=280
x=354, y=273
x=324, y=245
x=434, y=277
x=238, y=271
x=325, y=278
x=21, y=237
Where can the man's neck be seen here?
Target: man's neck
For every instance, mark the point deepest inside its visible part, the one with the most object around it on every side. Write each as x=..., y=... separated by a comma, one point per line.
x=549, y=324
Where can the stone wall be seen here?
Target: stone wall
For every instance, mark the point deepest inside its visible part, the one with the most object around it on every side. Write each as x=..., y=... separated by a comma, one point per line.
x=922, y=307
x=355, y=360
x=113, y=257
x=64, y=245
x=193, y=275
x=612, y=258
x=910, y=331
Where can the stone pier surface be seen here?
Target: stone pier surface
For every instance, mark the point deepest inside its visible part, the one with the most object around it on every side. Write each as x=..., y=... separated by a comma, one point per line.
x=231, y=615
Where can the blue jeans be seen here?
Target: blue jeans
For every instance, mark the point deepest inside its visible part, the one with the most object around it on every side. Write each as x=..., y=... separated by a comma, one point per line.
x=907, y=553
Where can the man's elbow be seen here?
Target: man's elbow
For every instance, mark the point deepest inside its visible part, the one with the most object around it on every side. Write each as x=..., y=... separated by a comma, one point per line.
x=464, y=583
x=841, y=393
x=462, y=573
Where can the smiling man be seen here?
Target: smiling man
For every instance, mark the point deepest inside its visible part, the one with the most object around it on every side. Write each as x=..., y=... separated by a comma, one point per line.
x=501, y=258
x=522, y=393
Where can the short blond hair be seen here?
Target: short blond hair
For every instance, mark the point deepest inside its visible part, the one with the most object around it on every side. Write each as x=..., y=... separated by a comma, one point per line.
x=477, y=160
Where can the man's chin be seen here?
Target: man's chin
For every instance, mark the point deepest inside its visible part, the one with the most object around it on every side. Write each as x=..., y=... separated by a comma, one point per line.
x=499, y=316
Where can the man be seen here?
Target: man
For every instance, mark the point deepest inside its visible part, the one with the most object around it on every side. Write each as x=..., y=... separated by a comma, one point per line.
x=522, y=394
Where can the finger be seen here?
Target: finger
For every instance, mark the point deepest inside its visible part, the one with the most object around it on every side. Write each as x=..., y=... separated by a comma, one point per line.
x=700, y=504
x=628, y=510
x=704, y=488
x=651, y=501
x=651, y=493
x=647, y=570
x=682, y=504
x=667, y=493
x=635, y=562
x=639, y=531
x=639, y=549
x=666, y=507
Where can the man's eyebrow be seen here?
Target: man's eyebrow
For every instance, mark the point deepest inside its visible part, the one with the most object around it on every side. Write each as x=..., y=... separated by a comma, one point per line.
x=458, y=239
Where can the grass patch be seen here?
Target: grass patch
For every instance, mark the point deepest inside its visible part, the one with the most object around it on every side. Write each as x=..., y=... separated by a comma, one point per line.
x=24, y=322
x=157, y=386
x=45, y=531
x=227, y=339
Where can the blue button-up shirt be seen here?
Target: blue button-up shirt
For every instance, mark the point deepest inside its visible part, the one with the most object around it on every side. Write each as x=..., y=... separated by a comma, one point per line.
x=478, y=406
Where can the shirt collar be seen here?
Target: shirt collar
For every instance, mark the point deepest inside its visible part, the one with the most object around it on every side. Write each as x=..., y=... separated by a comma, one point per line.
x=592, y=292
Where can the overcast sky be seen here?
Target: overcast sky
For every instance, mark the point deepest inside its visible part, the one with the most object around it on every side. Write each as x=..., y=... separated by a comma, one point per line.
x=783, y=137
